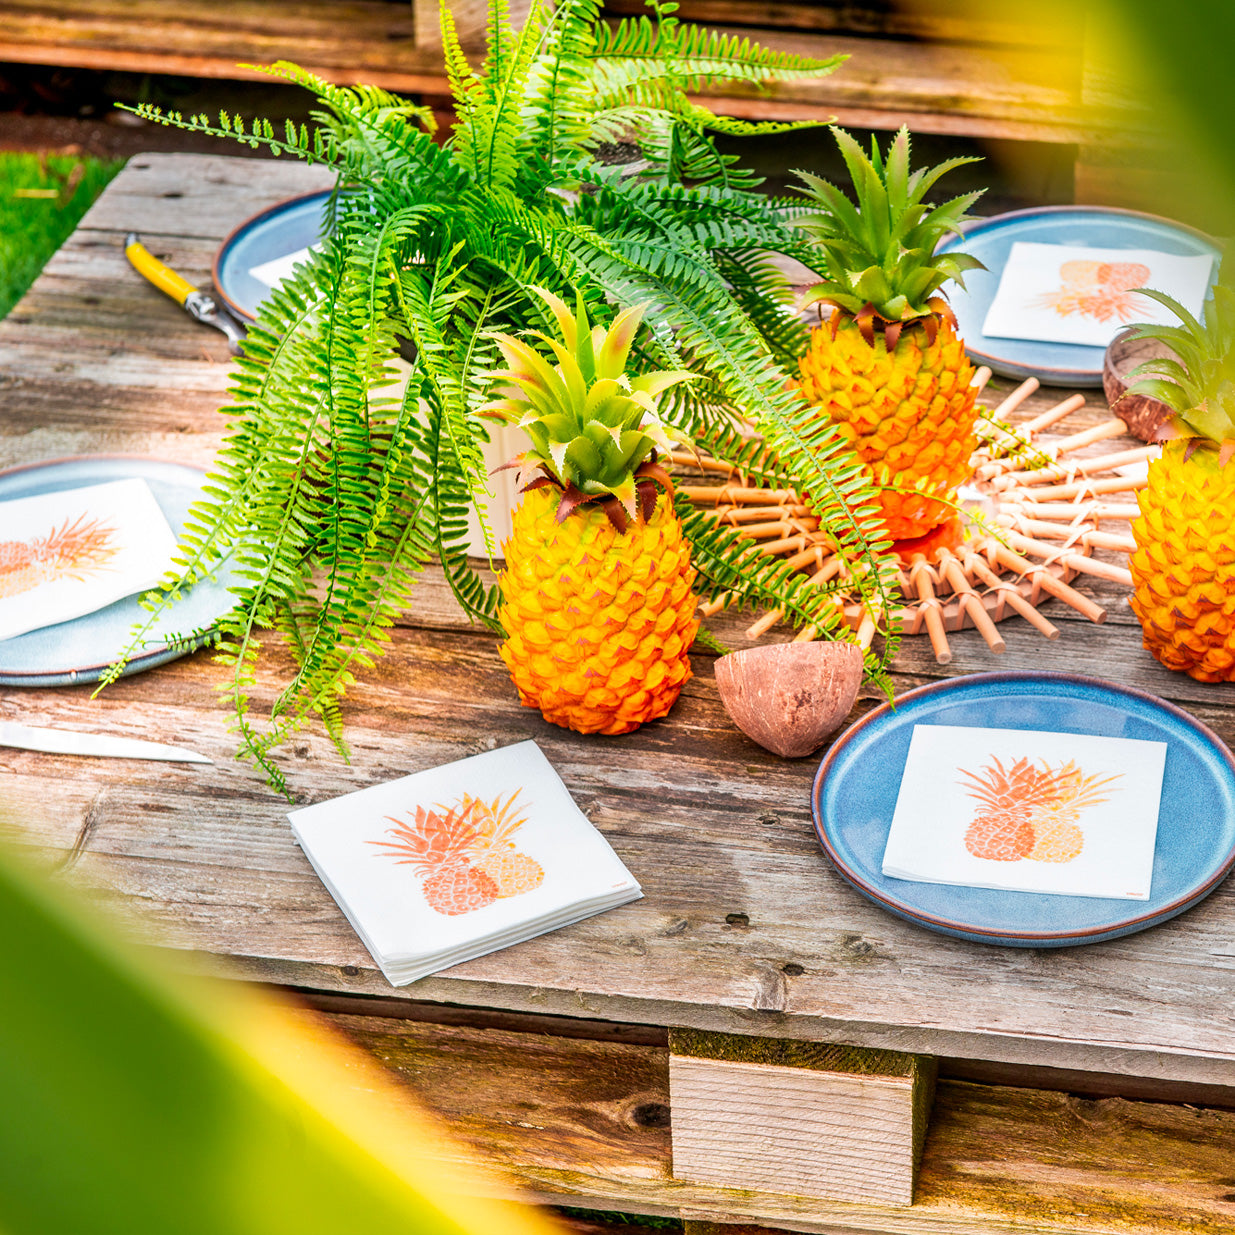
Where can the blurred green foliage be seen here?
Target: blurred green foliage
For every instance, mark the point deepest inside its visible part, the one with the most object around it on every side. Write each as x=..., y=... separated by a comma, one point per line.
x=134, y=1101
x=42, y=199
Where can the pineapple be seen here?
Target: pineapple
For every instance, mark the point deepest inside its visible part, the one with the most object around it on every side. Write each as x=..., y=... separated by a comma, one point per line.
x=596, y=595
x=495, y=852
x=1057, y=838
x=438, y=846
x=1183, y=570
x=888, y=368
x=72, y=550
x=1003, y=830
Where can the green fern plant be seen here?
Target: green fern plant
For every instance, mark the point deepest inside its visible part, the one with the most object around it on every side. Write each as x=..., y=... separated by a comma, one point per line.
x=331, y=495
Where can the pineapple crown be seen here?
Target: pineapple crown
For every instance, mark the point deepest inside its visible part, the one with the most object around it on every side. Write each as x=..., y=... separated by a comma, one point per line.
x=439, y=837
x=1199, y=387
x=593, y=427
x=878, y=257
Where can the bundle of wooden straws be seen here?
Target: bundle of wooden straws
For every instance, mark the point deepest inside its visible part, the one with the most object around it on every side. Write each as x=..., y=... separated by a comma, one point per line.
x=1034, y=516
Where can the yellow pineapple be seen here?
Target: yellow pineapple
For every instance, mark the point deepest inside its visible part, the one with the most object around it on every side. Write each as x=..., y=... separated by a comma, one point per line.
x=495, y=853
x=1183, y=570
x=72, y=550
x=1057, y=836
x=887, y=368
x=596, y=595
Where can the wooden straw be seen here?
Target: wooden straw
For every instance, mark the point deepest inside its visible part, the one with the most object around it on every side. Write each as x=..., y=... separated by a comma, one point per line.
x=981, y=375
x=866, y=628
x=920, y=578
x=734, y=515
x=1066, y=531
x=742, y=494
x=1010, y=595
x=764, y=624
x=1087, y=437
x=1119, y=484
x=1086, y=467
x=970, y=602
x=1074, y=561
x=704, y=463
x=1089, y=512
x=1015, y=399
x=713, y=607
x=1053, y=414
x=1047, y=581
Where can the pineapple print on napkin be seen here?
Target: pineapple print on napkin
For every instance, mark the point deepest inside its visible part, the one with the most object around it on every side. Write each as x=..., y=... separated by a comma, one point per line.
x=1027, y=811
x=66, y=554
x=449, y=864
x=1061, y=293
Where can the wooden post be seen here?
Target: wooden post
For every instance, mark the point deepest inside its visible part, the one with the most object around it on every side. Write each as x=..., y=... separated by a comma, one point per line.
x=805, y=1118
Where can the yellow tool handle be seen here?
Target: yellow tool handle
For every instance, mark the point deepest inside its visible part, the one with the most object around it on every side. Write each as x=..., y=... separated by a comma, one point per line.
x=163, y=277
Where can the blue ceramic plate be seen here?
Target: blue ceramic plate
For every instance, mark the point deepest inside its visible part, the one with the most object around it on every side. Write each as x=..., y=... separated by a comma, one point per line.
x=81, y=650
x=991, y=240
x=856, y=788
x=284, y=228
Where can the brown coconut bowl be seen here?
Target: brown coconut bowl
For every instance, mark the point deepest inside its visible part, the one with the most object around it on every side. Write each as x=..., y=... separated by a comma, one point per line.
x=1140, y=413
x=790, y=697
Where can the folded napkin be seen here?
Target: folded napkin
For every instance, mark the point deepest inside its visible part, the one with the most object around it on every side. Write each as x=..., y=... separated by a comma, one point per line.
x=69, y=553
x=1027, y=811
x=445, y=865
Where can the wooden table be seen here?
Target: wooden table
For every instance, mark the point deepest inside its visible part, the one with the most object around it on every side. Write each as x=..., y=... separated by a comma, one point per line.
x=555, y=1055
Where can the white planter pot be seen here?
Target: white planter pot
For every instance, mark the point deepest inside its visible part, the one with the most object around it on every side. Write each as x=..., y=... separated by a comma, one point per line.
x=504, y=444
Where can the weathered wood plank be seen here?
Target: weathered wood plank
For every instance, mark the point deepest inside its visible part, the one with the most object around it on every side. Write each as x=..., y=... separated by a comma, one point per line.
x=1028, y=92
x=208, y=851
x=588, y=1121
x=943, y=20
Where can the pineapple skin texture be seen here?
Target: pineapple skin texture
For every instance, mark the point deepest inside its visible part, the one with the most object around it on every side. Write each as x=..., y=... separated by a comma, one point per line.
x=599, y=625
x=1183, y=570
x=910, y=415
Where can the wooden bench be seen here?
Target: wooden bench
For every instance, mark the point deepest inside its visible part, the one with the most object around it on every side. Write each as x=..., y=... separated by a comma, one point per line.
x=935, y=70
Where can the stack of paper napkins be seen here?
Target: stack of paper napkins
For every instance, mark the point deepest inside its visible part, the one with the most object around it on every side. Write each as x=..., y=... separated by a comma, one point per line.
x=445, y=865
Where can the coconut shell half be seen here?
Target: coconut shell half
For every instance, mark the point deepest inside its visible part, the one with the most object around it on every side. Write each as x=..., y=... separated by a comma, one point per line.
x=1140, y=413
x=789, y=697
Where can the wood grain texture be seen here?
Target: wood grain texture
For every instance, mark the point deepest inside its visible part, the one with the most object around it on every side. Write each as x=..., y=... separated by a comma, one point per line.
x=588, y=1123
x=798, y=1117
x=744, y=927
x=1013, y=87
x=834, y=1135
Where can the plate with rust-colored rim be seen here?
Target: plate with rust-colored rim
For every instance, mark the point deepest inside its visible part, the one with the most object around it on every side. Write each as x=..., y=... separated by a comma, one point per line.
x=82, y=650
x=280, y=230
x=856, y=787
x=1102, y=227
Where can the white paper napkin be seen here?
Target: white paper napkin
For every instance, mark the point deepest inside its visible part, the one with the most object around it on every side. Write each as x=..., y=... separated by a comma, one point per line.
x=66, y=554
x=1058, y=293
x=449, y=864
x=1027, y=811
x=273, y=272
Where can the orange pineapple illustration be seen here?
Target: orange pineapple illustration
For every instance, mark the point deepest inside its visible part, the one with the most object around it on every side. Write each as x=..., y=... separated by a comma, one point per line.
x=71, y=551
x=1101, y=290
x=1057, y=836
x=495, y=853
x=438, y=845
x=1003, y=830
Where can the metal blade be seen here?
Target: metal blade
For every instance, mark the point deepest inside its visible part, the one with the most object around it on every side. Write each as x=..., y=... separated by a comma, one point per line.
x=69, y=742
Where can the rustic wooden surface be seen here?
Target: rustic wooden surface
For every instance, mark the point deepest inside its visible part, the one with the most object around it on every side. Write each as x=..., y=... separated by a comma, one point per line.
x=587, y=1122
x=744, y=926
x=1010, y=87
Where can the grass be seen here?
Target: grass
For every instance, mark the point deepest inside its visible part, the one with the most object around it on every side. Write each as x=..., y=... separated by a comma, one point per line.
x=42, y=198
x=635, y=1221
